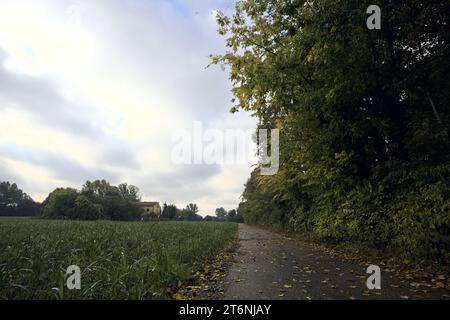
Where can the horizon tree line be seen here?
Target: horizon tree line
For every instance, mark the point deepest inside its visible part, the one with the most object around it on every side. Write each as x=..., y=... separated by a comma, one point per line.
x=98, y=200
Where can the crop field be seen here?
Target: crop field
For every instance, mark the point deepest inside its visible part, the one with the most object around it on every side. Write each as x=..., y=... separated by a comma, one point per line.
x=117, y=260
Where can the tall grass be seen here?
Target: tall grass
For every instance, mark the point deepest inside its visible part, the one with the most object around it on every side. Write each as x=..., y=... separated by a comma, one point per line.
x=117, y=260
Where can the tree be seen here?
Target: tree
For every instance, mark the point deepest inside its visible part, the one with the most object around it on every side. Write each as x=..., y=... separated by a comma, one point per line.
x=60, y=204
x=100, y=189
x=169, y=212
x=363, y=116
x=231, y=215
x=190, y=213
x=192, y=208
x=85, y=209
x=97, y=200
x=221, y=213
x=129, y=192
x=117, y=203
x=14, y=202
x=116, y=208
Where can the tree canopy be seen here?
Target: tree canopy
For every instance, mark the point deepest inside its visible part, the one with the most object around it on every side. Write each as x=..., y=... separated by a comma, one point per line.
x=14, y=202
x=96, y=200
x=363, y=116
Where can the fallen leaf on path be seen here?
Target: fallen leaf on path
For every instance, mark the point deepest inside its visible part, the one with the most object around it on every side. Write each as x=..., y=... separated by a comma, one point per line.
x=179, y=296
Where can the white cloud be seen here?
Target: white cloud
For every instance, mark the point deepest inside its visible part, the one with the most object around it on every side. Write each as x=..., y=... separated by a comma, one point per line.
x=96, y=88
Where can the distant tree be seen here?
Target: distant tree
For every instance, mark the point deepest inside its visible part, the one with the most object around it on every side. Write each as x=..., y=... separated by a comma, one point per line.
x=99, y=189
x=97, y=200
x=118, y=203
x=85, y=209
x=210, y=218
x=14, y=202
x=27, y=207
x=231, y=215
x=169, y=212
x=129, y=192
x=190, y=213
x=116, y=208
x=192, y=207
x=60, y=204
x=239, y=218
x=221, y=213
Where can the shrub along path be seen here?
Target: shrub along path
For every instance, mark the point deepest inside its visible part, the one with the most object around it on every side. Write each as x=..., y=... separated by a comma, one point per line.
x=271, y=266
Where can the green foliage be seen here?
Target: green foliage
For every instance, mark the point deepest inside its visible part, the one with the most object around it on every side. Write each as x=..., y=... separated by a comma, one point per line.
x=14, y=202
x=60, y=204
x=231, y=215
x=169, y=212
x=221, y=213
x=118, y=260
x=224, y=215
x=96, y=200
x=363, y=116
x=190, y=213
x=84, y=209
x=129, y=192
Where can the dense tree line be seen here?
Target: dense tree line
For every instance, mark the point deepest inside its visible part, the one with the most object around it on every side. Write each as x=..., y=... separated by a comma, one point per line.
x=363, y=116
x=172, y=213
x=96, y=200
x=232, y=215
x=14, y=202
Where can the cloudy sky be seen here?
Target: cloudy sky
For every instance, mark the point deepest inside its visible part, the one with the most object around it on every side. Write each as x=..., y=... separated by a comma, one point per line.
x=96, y=89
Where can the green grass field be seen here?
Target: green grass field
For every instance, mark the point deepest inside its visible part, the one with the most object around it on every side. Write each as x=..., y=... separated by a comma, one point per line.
x=118, y=260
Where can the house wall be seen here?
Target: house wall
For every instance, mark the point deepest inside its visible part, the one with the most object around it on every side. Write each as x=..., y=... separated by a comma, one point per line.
x=152, y=209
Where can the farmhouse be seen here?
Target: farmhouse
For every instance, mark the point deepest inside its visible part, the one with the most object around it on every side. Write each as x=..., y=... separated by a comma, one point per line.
x=150, y=209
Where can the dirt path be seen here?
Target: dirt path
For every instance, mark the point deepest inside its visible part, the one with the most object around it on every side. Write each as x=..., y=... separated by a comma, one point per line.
x=270, y=266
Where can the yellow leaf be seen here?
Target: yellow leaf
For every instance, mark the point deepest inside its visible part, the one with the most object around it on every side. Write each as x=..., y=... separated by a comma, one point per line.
x=179, y=296
x=287, y=286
